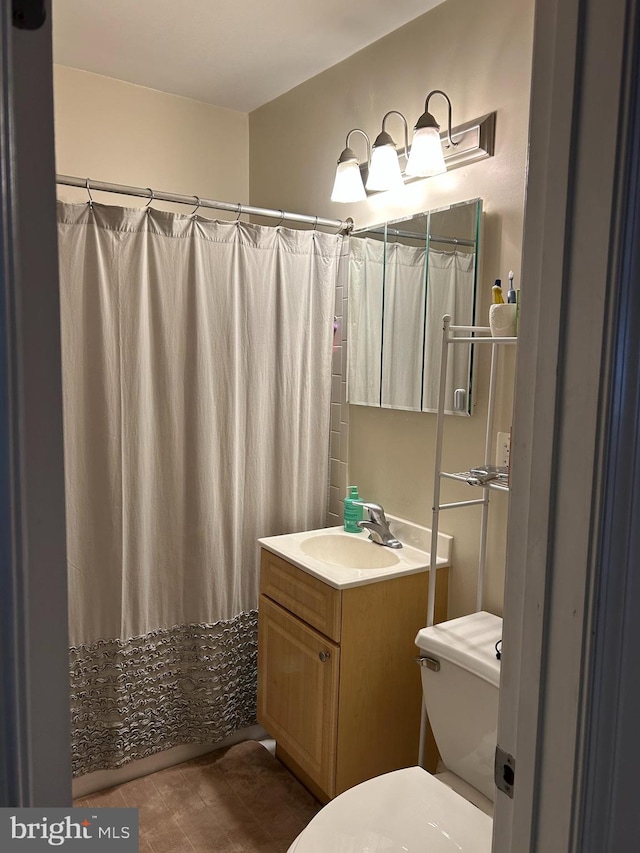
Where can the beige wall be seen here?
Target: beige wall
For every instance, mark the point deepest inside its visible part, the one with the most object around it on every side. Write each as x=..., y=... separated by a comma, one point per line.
x=126, y=134
x=480, y=54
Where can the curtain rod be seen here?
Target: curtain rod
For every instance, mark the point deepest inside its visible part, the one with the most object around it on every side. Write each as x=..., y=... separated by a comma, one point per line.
x=89, y=184
x=413, y=235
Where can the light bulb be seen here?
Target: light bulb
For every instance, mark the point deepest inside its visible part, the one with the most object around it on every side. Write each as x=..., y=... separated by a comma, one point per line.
x=384, y=171
x=426, y=157
x=348, y=184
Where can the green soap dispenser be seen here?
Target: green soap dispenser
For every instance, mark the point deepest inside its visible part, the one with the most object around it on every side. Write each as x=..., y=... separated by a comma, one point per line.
x=352, y=511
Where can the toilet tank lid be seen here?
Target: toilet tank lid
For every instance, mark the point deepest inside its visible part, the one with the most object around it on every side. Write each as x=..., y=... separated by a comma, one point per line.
x=469, y=642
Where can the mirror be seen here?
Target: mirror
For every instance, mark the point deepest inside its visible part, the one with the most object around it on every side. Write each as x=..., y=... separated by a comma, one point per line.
x=404, y=276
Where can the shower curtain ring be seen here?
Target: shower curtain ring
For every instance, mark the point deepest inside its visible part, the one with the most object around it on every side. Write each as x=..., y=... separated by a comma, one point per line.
x=315, y=224
x=86, y=184
x=196, y=208
x=281, y=220
x=239, y=213
x=152, y=195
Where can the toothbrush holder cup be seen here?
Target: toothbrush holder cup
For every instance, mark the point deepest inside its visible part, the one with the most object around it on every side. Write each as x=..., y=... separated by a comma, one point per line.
x=502, y=320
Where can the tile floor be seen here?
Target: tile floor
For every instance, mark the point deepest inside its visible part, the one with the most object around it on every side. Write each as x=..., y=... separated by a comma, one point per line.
x=236, y=800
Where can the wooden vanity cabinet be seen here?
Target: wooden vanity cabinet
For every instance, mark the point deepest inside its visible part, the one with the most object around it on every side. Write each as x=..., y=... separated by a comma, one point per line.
x=338, y=687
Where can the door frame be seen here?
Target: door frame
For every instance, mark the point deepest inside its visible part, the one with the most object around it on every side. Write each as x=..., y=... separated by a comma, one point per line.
x=35, y=759
x=563, y=445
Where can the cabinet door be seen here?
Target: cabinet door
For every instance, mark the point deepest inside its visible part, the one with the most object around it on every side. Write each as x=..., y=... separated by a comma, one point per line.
x=298, y=672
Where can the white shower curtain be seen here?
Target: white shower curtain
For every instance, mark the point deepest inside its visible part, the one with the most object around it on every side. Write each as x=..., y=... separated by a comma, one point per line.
x=451, y=278
x=405, y=282
x=398, y=295
x=366, y=294
x=196, y=373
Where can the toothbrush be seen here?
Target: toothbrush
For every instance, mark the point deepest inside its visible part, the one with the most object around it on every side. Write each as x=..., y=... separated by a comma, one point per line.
x=496, y=293
x=511, y=294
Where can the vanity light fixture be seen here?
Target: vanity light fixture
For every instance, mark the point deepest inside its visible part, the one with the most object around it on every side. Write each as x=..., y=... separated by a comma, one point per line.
x=348, y=185
x=384, y=170
x=426, y=157
x=431, y=153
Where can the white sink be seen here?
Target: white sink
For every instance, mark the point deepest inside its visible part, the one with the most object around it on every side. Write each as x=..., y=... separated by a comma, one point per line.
x=350, y=552
x=344, y=560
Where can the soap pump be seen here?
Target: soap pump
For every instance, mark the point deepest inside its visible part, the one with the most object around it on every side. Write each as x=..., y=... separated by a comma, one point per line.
x=352, y=510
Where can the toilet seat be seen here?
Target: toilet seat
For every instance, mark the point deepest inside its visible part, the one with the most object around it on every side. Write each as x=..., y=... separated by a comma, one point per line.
x=406, y=811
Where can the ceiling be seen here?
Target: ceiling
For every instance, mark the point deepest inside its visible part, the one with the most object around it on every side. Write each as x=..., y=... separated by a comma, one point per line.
x=237, y=54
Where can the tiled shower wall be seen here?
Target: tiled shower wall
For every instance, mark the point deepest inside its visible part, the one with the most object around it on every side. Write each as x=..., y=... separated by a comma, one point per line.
x=339, y=435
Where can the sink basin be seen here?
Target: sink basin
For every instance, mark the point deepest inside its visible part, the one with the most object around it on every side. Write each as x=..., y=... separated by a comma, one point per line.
x=344, y=560
x=349, y=552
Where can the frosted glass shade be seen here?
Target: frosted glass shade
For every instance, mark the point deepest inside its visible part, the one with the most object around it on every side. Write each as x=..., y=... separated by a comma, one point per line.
x=426, y=157
x=348, y=184
x=384, y=170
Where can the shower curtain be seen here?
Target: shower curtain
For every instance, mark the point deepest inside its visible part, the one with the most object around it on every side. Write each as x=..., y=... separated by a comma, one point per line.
x=366, y=294
x=450, y=290
x=394, y=347
x=405, y=281
x=196, y=376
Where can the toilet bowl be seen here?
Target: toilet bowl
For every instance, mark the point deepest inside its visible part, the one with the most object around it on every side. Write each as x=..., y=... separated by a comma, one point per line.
x=409, y=810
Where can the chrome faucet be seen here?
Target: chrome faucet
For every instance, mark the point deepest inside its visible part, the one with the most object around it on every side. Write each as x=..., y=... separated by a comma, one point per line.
x=378, y=526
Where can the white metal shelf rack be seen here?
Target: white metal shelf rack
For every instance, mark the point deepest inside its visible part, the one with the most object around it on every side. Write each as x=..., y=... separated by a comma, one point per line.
x=452, y=335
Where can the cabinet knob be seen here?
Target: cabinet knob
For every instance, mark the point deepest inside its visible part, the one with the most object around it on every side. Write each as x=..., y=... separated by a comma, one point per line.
x=324, y=656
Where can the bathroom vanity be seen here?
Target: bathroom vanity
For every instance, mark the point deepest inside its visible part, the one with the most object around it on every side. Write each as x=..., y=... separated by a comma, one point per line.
x=338, y=687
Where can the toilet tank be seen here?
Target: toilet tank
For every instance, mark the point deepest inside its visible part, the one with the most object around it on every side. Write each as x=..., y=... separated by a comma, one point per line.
x=461, y=697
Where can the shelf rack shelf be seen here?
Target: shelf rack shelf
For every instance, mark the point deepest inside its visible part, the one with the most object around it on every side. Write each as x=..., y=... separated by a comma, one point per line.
x=500, y=485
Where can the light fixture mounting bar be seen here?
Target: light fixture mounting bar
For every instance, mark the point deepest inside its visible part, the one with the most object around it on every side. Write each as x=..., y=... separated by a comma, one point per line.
x=475, y=141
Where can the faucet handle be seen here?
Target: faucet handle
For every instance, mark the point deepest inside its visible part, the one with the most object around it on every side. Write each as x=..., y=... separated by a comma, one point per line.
x=378, y=526
x=376, y=512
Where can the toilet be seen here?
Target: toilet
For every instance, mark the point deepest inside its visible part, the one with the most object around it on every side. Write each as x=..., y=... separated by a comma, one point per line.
x=410, y=810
